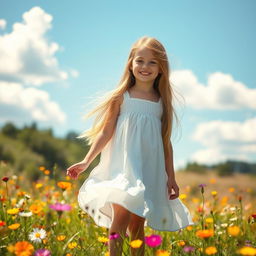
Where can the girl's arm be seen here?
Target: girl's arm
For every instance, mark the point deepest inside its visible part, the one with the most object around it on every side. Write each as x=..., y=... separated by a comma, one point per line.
x=100, y=141
x=105, y=135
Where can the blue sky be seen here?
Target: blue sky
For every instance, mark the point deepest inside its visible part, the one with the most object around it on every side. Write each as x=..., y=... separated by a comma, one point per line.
x=56, y=55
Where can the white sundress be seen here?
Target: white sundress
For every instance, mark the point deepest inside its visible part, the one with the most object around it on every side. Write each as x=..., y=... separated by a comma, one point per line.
x=131, y=172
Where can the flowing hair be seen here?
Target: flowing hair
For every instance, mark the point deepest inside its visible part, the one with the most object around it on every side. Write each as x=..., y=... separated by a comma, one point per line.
x=162, y=85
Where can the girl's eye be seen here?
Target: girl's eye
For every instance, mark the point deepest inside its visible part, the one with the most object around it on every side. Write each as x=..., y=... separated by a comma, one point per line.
x=153, y=62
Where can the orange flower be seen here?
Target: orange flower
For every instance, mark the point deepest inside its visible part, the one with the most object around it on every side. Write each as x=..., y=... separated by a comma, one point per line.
x=205, y=233
x=64, y=185
x=61, y=237
x=41, y=168
x=162, y=253
x=210, y=250
x=23, y=248
x=233, y=230
x=181, y=243
x=14, y=226
x=35, y=208
x=46, y=172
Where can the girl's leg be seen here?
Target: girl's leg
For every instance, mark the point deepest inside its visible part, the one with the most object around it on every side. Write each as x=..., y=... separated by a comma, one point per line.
x=121, y=218
x=136, y=230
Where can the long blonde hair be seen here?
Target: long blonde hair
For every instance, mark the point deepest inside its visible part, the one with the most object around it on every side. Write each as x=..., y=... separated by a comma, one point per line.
x=161, y=84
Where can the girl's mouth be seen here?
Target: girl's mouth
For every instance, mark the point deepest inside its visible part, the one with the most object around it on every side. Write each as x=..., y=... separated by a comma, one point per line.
x=145, y=73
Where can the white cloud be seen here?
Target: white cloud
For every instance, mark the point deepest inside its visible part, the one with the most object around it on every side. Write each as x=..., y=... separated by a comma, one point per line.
x=225, y=140
x=27, y=56
x=221, y=91
x=24, y=104
x=2, y=23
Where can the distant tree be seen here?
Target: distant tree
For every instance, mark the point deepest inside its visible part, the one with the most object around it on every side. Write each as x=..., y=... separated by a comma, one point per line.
x=225, y=169
x=195, y=167
x=10, y=130
x=72, y=136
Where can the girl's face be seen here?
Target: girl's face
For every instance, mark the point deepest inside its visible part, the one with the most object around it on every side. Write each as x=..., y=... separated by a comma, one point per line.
x=145, y=66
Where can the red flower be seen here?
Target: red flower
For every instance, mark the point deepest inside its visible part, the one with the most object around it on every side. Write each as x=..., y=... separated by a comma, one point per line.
x=254, y=215
x=5, y=179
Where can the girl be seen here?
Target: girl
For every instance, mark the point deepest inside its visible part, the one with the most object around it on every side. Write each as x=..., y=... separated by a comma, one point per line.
x=134, y=183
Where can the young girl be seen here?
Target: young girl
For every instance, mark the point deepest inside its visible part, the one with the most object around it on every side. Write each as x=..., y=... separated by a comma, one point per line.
x=134, y=183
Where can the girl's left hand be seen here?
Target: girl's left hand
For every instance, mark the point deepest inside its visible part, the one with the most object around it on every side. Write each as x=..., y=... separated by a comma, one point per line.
x=172, y=187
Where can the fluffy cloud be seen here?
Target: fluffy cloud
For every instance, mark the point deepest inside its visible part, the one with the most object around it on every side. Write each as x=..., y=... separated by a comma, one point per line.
x=27, y=56
x=221, y=91
x=2, y=24
x=225, y=140
x=21, y=104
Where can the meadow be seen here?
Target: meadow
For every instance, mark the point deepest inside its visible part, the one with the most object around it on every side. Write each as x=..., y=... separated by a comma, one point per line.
x=43, y=218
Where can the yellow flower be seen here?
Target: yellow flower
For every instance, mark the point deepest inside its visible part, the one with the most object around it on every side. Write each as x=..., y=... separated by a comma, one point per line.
x=209, y=220
x=64, y=185
x=189, y=228
x=107, y=254
x=13, y=211
x=210, y=250
x=136, y=243
x=14, y=226
x=183, y=196
x=38, y=185
x=103, y=239
x=72, y=245
x=61, y=237
x=181, y=243
x=195, y=200
x=162, y=253
x=248, y=251
x=214, y=193
x=23, y=248
x=11, y=248
x=233, y=230
x=68, y=178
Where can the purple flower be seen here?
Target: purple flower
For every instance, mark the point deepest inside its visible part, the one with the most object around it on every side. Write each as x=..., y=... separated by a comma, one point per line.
x=188, y=249
x=42, y=252
x=153, y=240
x=113, y=236
x=60, y=207
x=202, y=187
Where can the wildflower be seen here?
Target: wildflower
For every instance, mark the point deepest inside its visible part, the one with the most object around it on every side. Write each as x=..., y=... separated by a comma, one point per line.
x=72, y=245
x=183, y=196
x=254, y=215
x=162, y=253
x=181, y=243
x=205, y=233
x=210, y=250
x=188, y=249
x=37, y=235
x=233, y=230
x=189, y=228
x=212, y=181
x=38, y=185
x=153, y=240
x=5, y=179
x=64, y=185
x=103, y=239
x=231, y=190
x=25, y=214
x=41, y=168
x=13, y=211
x=214, y=193
x=42, y=252
x=209, y=220
x=46, y=172
x=248, y=251
x=23, y=248
x=202, y=187
x=60, y=207
x=14, y=226
x=113, y=236
x=2, y=223
x=61, y=237
x=136, y=243
x=35, y=208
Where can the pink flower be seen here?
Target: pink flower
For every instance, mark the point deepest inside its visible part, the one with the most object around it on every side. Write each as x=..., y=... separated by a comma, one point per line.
x=113, y=236
x=153, y=240
x=60, y=207
x=42, y=252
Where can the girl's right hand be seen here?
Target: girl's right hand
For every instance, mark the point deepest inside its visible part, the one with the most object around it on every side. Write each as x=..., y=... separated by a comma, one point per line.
x=74, y=170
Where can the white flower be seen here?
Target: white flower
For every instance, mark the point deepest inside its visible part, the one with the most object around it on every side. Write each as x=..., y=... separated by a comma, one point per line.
x=25, y=214
x=20, y=203
x=37, y=235
x=224, y=225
